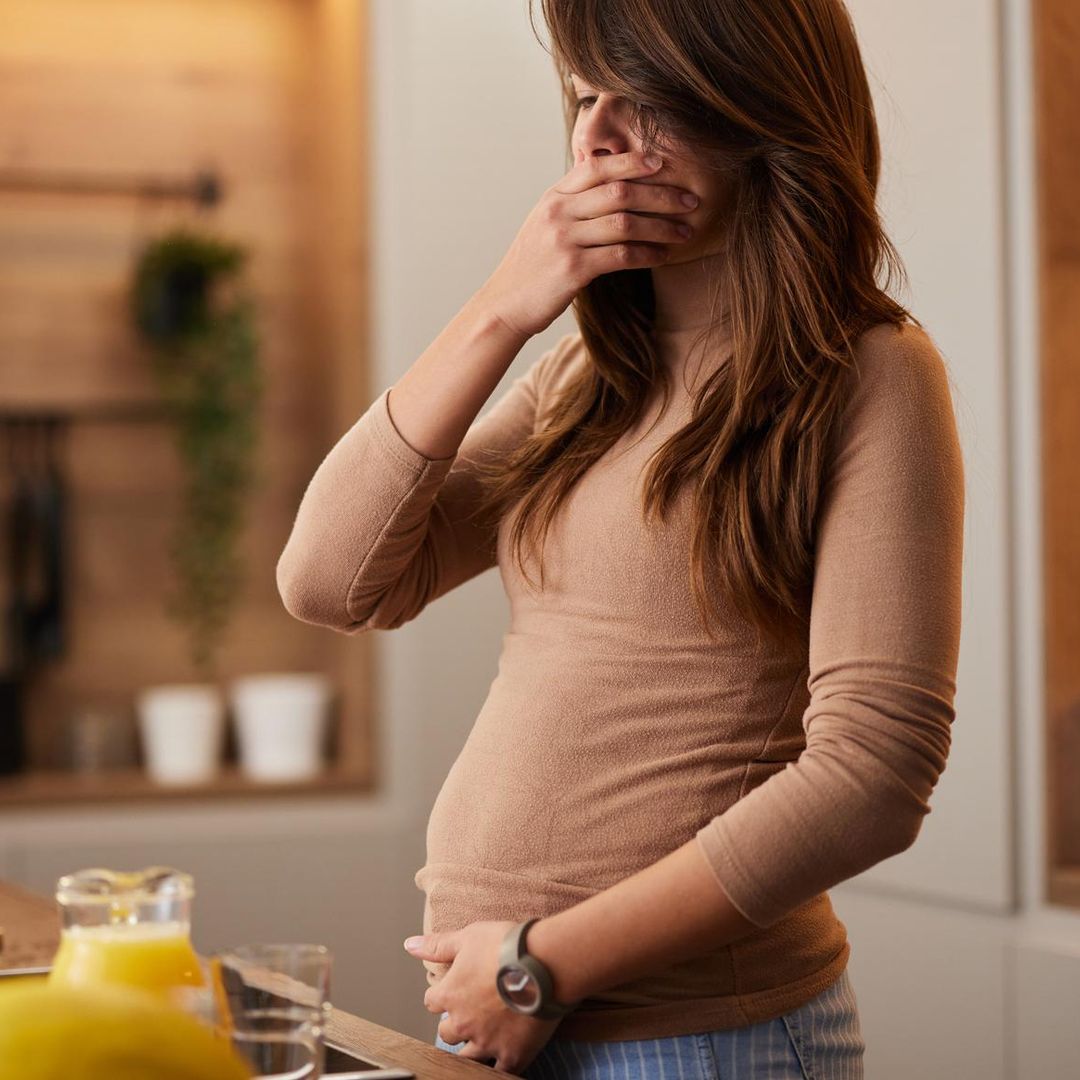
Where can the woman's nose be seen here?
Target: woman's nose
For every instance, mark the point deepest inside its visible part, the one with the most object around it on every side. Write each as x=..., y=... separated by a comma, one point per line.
x=600, y=133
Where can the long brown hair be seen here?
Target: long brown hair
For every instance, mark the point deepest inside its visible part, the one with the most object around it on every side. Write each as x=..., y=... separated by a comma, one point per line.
x=773, y=94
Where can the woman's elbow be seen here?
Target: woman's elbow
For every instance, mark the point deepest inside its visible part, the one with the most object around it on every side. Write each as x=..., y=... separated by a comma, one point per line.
x=300, y=592
x=294, y=596
x=319, y=603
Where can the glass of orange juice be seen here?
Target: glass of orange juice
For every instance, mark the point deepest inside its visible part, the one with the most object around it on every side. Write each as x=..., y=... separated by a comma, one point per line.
x=132, y=928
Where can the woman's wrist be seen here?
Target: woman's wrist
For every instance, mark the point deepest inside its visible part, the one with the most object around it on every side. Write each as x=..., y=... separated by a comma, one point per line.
x=543, y=941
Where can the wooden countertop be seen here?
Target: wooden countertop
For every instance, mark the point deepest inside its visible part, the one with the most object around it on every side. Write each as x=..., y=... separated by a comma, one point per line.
x=31, y=933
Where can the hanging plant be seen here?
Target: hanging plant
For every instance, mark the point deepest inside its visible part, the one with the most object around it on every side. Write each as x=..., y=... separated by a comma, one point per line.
x=202, y=341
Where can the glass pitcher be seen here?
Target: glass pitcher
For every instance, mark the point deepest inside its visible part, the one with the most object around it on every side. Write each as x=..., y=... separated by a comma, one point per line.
x=132, y=928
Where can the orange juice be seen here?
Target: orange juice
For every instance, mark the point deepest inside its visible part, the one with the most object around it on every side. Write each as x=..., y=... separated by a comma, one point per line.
x=155, y=956
x=132, y=928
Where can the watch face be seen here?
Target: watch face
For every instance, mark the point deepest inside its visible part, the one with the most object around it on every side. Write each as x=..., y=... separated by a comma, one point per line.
x=518, y=987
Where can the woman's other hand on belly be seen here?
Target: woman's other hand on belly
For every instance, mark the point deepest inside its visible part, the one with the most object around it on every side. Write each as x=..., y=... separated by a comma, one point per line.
x=469, y=960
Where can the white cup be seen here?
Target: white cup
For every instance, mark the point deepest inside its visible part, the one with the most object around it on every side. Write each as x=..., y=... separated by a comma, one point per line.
x=181, y=728
x=280, y=724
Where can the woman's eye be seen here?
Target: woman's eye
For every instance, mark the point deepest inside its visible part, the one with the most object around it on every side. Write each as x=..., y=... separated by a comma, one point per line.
x=581, y=102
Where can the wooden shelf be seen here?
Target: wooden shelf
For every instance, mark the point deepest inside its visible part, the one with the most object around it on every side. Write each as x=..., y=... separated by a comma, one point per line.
x=57, y=411
x=133, y=785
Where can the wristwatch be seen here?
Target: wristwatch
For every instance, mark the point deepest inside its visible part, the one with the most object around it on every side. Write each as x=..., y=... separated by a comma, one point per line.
x=523, y=982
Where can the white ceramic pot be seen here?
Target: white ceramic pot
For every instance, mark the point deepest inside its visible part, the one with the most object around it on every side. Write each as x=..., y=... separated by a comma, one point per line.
x=280, y=724
x=181, y=728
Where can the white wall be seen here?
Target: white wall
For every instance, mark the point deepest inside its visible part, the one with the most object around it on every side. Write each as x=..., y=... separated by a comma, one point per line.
x=960, y=968
x=469, y=133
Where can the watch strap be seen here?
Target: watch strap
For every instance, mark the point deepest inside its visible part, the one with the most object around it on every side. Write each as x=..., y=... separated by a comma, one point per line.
x=513, y=953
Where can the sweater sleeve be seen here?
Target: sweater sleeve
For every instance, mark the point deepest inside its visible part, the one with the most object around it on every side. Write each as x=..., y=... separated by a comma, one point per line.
x=382, y=530
x=883, y=648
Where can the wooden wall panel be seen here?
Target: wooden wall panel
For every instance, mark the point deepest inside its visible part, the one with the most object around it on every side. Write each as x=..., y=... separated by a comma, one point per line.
x=162, y=88
x=1057, y=90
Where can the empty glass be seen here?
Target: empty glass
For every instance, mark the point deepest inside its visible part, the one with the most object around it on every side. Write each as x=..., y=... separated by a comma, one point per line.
x=273, y=1002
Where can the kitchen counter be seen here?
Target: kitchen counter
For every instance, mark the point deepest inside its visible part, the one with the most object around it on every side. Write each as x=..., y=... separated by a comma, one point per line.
x=31, y=932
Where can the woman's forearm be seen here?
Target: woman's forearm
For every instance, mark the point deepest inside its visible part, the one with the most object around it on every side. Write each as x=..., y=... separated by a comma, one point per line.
x=433, y=404
x=666, y=913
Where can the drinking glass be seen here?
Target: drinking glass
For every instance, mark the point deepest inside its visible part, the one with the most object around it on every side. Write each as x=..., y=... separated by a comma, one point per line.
x=272, y=1000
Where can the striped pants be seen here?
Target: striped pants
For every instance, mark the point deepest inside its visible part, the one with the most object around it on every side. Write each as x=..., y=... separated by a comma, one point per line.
x=820, y=1040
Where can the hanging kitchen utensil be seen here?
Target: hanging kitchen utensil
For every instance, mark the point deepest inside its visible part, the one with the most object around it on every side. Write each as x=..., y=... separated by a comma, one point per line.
x=21, y=547
x=12, y=743
x=38, y=533
x=47, y=619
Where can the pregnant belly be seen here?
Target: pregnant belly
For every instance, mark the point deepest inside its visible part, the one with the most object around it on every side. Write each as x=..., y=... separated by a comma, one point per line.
x=570, y=810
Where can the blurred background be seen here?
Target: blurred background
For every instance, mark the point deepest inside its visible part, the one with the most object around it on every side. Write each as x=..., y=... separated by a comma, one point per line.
x=225, y=227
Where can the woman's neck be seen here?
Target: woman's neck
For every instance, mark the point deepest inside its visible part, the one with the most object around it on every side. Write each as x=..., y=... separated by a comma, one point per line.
x=685, y=294
x=690, y=355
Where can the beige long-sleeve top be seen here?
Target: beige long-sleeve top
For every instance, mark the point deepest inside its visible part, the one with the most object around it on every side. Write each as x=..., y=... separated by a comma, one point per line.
x=615, y=730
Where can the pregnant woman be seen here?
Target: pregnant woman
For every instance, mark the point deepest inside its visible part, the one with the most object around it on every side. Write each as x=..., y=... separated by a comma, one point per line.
x=727, y=511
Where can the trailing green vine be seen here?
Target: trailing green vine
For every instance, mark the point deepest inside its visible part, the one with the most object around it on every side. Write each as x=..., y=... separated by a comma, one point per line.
x=204, y=348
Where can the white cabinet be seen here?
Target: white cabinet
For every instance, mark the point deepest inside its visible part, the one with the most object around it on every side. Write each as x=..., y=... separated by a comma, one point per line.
x=1047, y=996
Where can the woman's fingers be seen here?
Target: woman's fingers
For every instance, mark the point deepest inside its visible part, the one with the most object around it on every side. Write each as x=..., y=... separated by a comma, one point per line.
x=567, y=240
x=637, y=195
x=476, y=1054
x=603, y=168
x=470, y=1050
x=624, y=226
x=622, y=210
x=447, y=1031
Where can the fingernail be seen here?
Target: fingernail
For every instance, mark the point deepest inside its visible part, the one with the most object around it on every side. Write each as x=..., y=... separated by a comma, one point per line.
x=413, y=943
x=653, y=161
x=689, y=198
